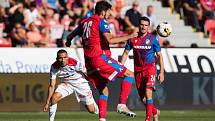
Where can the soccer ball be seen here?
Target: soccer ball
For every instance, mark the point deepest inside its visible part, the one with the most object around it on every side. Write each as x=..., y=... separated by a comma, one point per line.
x=164, y=29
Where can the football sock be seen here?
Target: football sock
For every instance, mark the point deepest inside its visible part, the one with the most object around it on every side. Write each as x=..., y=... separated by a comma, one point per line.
x=125, y=89
x=102, y=106
x=154, y=109
x=52, y=111
x=149, y=108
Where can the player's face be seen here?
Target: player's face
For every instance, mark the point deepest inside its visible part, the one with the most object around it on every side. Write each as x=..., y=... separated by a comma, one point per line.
x=107, y=14
x=62, y=59
x=143, y=27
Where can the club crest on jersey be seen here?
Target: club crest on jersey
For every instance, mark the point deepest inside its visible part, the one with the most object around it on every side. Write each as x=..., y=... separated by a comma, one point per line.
x=106, y=26
x=147, y=41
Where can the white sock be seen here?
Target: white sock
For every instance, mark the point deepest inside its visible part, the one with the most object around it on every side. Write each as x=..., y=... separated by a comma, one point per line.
x=102, y=119
x=121, y=105
x=52, y=111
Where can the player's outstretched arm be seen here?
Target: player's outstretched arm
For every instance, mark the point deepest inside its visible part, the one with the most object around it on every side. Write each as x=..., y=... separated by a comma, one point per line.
x=124, y=56
x=74, y=33
x=49, y=95
x=161, y=73
x=111, y=39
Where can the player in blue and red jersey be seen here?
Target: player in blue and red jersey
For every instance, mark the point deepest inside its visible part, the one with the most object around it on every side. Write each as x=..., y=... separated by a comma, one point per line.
x=101, y=68
x=145, y=46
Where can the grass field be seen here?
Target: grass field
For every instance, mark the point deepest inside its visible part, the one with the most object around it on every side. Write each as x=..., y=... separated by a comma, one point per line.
x=204, y=115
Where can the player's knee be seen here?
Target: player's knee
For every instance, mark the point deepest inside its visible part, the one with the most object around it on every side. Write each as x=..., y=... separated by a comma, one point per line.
x=149, y=93
x=129, y=73
x=55, y=98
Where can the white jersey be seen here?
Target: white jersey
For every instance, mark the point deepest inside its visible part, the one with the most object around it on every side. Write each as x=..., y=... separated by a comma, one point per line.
x=71, y=72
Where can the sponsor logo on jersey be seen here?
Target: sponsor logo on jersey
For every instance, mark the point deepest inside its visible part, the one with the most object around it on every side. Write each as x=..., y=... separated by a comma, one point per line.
x=142, y=47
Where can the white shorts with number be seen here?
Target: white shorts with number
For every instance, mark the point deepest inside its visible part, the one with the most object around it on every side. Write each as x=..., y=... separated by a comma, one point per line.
x=81, y=89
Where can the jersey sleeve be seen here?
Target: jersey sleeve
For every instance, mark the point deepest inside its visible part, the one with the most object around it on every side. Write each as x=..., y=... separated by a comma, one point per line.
x=129, y=45
x=77, y=31
x=103, y=26
x=156, y=45
x=53, y=73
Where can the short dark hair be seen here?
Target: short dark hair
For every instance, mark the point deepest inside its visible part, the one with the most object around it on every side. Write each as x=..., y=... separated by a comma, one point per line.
x=144, y=18
x=61, y=51
x=102, y=6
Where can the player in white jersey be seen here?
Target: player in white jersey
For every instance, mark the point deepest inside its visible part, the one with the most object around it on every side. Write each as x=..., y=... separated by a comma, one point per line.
x=73, y=79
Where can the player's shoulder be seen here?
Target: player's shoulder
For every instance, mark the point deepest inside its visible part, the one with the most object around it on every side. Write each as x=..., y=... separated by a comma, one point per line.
x=55, y=65
x=72, y=61
x=152, y=36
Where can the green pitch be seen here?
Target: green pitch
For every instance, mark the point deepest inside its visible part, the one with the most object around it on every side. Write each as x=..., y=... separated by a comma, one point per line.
x=203, y=115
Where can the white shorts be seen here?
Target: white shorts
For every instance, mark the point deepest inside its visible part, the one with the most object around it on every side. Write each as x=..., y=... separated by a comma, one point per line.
x=81, y=89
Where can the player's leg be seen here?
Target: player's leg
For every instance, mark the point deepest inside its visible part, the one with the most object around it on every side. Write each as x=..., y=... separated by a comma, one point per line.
x=150, y=86
x=102, y=103
x=84, y=94
x=125, y=91
x=155, y=111
x=62, y=91
x=53, y=107
x=110, y=69
x=100, y=82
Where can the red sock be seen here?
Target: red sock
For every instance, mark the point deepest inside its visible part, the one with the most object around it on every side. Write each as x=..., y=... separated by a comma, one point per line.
x=102, y=103
x=125, y=89
x=149, y=108
x=154, y=110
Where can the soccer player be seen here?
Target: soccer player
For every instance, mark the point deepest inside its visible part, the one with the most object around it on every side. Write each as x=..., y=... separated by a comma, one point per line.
x=145, y=46
x=72, y=80
x=101, y=68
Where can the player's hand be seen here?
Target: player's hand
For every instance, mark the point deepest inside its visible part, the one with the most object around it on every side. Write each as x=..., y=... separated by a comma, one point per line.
x=161, y=77
x=68, y=43
x=46, y=107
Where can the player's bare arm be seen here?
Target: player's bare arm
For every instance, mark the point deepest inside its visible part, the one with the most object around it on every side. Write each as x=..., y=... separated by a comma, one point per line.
x=161, y=73
x=124, y=56
x=51, y=89
x=112, y=39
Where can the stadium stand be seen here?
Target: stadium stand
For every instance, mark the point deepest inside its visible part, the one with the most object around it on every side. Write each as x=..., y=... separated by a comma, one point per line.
x=62, y=17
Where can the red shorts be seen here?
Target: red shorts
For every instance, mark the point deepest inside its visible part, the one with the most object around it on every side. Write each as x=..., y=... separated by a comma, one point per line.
x=144, y=81
x=102, y=69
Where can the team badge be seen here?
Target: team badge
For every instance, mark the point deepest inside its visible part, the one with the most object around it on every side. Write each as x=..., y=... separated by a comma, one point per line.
x=147, y=41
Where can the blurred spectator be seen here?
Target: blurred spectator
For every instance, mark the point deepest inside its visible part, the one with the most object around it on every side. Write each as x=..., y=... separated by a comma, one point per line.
x=166, y=44
x=52, y=4
x=16, y=15
x=34, y=37
x=31, y=14
x=208, y=8
x=175, y=5
x=18, y=36
x=4, y=19
x=114, y=24
x=210, y=27
x=152, y=18
x=193, y=13
x=132, y=17
x=194, y=45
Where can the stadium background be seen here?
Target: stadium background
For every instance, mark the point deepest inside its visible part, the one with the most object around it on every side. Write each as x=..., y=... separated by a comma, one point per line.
x=189, y=79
